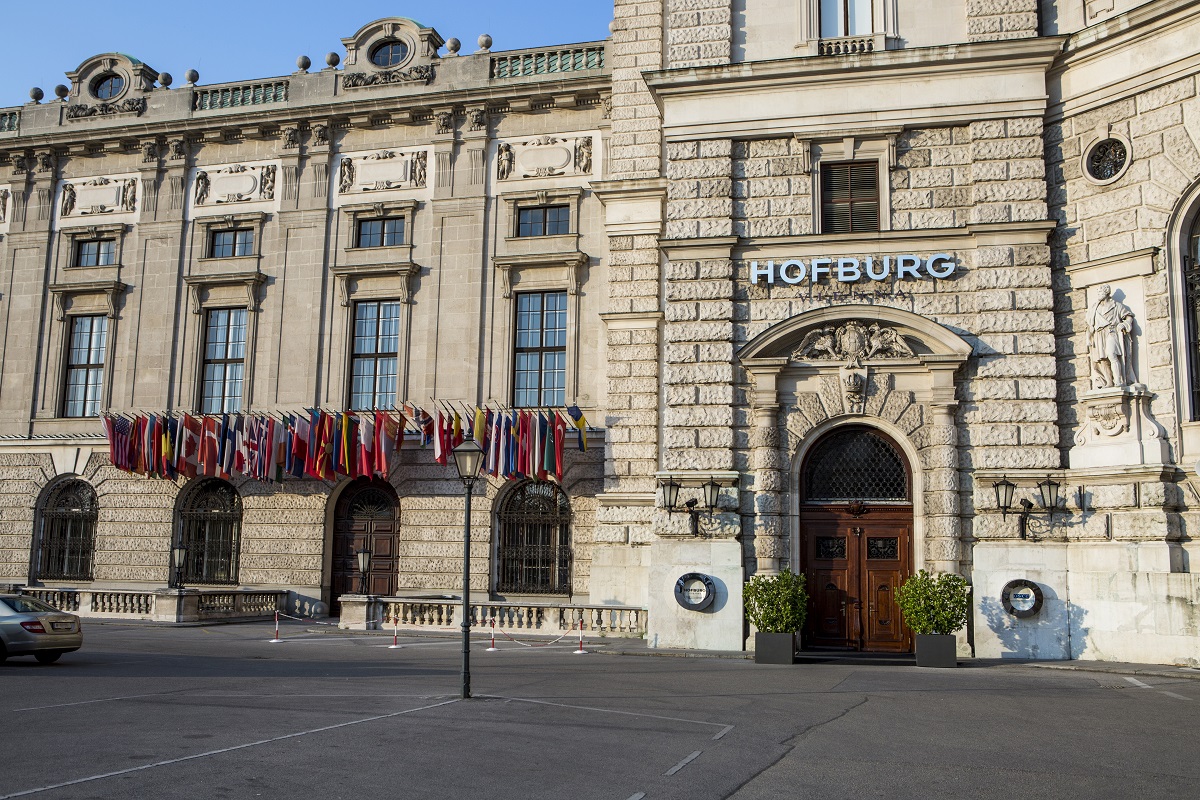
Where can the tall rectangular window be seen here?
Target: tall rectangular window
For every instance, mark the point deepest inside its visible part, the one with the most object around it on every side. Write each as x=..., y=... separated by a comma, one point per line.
x=380, y=232
x=376, y=349
x=540, y=363
x=845, y=18
x=95, y=253
x=850, y=197
x=85, y=366
x=224, y=361
x=544, y=221
x=231, y=243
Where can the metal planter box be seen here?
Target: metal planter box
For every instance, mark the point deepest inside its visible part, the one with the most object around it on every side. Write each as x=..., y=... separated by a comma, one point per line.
x=774, y=648
x=936, y=650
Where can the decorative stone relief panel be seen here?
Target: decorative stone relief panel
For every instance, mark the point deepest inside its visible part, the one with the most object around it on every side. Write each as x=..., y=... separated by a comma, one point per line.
x=232, y=186
x=548, y=156
x=85, y=199
x=383, y=173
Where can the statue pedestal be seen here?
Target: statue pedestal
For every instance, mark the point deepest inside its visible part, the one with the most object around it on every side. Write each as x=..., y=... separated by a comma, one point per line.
x=1116, y=430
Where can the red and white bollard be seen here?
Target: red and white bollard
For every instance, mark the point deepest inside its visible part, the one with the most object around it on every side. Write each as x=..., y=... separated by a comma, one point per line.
x=580, y=651
x=395, y=645
x=276, y=640
x=493, y=648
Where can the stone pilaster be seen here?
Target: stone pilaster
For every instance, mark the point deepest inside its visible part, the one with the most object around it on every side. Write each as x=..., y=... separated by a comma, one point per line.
x=700, y=32
x=994, y=20
x=637, y=45
x=770, y=477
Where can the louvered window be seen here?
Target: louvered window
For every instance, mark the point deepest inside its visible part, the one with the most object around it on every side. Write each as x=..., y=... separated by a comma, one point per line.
x=850, y=197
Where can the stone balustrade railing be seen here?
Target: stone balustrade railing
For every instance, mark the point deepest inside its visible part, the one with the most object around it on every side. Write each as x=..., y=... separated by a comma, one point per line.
x=10, y=121
x=370, y=612
x=236, y=96
x=544, y=62
x=846, y=45
x=163, y=605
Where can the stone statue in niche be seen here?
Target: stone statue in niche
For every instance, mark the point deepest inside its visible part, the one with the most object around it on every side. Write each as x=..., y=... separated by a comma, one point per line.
x=1111, y=325
x=68, y=200
x=505, y=160
x=129, y=195
x=266, y=189
x=583, y=155
x=202, y=187
x=345, y=175
x=420, y=166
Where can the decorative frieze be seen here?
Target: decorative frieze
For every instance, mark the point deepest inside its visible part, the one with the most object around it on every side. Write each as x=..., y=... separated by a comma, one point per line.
x=99, y=196
x=233, y=184
x=545, y=157
x=853, y=343
x=421, y=74
x=131, y=105
x=383, y=170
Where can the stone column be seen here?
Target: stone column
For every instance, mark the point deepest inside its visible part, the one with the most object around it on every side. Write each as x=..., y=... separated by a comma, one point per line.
x=769, y=462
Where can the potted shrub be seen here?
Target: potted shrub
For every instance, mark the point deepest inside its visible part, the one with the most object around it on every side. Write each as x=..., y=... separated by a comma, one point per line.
x=776, y=606
x=934, y=607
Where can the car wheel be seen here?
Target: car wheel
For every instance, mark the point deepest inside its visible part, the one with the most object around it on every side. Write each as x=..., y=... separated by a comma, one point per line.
x=47, y=658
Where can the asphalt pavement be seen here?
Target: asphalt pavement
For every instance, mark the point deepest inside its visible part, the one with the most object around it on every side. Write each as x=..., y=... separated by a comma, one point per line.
x=221, y=712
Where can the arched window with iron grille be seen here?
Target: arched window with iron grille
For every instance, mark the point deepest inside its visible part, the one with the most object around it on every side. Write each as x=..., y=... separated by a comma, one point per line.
x=855, y=464
x=210, y=527
x=534, y=554
x=68, y=528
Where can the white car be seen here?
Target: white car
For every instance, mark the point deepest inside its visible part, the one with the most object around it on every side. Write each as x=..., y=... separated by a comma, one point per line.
x=29, y=627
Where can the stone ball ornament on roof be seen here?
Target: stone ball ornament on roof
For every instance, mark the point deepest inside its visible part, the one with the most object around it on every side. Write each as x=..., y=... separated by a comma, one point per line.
x=191, y=76
x=61, y=91
x=165, y=79
x=485, y=42
x=303, y=63
x=332, y=60
x=453, y=45
x=36, y=94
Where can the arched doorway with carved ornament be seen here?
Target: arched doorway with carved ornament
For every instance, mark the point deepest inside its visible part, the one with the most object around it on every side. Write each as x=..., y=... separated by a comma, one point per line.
x=856, y=548
x=367, y=516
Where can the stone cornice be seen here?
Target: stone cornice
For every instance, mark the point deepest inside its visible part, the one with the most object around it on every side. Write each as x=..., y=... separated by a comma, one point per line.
x=952, y=84
x=896, y=241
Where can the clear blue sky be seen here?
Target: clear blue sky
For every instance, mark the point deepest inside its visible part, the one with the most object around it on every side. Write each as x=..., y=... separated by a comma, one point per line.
x=228, y=40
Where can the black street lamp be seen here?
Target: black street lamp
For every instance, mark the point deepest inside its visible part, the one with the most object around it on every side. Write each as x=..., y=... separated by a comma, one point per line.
x=364, y=566
x=468, y=458
x=1048, y=489
x=712, y=493
x=178, y=556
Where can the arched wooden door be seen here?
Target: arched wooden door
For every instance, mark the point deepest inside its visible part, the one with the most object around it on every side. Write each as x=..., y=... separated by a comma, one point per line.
x=367, y=514
x=856, y=523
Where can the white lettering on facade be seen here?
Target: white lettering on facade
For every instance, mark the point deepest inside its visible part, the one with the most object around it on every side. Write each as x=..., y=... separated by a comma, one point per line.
x=853, y=270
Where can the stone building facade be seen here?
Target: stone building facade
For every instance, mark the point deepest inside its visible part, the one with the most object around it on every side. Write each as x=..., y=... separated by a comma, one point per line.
x=862, y=266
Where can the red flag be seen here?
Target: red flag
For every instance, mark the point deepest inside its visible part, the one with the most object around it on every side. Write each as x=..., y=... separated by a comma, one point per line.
x=439, y=438
x=188, y=457
x=560, y=433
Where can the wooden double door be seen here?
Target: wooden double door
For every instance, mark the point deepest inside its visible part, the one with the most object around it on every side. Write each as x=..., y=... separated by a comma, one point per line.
x=853, y=566
x=367, y=515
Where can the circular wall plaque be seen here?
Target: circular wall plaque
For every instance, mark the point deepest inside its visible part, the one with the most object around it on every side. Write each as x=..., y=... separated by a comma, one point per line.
x=1022, y=598
x=695, y=591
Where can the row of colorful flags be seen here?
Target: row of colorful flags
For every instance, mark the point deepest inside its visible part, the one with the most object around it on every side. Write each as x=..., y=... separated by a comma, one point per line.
x=517, y=443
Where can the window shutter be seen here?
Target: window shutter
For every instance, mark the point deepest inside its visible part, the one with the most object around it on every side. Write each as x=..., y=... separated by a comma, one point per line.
x=850, y=197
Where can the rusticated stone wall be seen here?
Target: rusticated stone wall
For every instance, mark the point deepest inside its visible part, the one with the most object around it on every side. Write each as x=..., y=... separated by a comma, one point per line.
x=1132, y=213
x=772, y=188
x=637, y=45
x=284, y=533
x=993, y=20
x=699, y=32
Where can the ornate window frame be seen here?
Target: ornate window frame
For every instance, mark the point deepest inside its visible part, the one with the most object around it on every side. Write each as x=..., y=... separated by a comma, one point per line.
x=71, y=238
x=1100, y=137
x=884, y=31
x=228, y=290
x=206, y=226
x=71, y=299
x=879, y=147
x=188, y=516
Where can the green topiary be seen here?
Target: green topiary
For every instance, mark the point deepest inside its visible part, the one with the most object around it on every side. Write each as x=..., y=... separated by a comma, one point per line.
x=934, y=603
x=776, y=603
